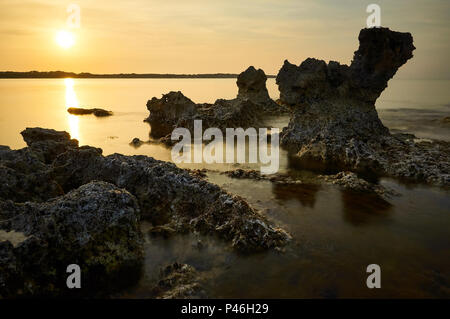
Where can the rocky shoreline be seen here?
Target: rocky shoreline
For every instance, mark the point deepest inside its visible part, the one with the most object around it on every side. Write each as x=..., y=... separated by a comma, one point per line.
x=53, y=179
x=62, y=204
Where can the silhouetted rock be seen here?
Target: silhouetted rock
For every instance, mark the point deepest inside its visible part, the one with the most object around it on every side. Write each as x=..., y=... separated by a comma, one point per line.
x=252, y=86
x=95, y=226
x=96, y=111
x=136, y=142
x=335, y=122
x=176, y=110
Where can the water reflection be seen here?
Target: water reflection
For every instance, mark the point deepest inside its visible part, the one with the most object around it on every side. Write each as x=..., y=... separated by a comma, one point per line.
x=72, y=101
x=362, y=209
x=304, y=193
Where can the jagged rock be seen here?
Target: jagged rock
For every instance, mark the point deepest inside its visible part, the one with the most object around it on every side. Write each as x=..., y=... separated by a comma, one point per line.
x=96, y=111
x=25, y=177
x=48, y=143
x=94, y=226
x=176, y=110
x=252, y=86
x=172, y=196
x=179, y=281
x=167, y=195
x=335, y=122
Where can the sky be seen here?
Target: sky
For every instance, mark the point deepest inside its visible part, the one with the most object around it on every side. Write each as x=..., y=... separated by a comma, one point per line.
x=211, y=36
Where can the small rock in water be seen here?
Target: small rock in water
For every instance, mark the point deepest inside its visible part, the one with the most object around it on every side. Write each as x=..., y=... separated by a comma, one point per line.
x=96, y=111
x=136, y=142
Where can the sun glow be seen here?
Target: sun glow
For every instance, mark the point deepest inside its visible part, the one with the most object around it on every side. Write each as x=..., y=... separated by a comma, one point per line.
x=72, y=101
x=65, y=39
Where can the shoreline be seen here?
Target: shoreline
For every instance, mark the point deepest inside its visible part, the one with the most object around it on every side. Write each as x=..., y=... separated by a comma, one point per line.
x=86, y=75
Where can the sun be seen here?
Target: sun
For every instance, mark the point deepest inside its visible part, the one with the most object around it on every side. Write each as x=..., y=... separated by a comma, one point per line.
x=65, y=39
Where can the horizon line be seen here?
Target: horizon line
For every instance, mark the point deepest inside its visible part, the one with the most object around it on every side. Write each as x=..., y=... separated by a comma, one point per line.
x=64, y=74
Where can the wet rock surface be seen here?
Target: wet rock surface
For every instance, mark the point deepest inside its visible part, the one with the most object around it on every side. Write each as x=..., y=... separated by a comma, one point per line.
x=95, y=226
x=179, y=281
x=166, y=195
x=84, y=208
x=351, y=181
x=346, y=180
x=96, y=111
x=335, y=124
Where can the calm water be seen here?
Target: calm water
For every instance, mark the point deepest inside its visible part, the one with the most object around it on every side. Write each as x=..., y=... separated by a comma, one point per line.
x=336, y=234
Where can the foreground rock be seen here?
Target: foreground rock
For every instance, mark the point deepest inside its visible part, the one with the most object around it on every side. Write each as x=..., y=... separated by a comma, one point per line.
x=252, y=86
x=96, y=111
x=94, y=226
x=178, y=281
x=166, y=195
x=335, y=123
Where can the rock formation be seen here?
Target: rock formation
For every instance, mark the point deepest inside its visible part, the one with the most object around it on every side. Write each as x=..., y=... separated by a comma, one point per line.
x=94, y=226
x=176, y=110
x=335, y=122
x=252, y=86
x=246, y=110
x=166, y=194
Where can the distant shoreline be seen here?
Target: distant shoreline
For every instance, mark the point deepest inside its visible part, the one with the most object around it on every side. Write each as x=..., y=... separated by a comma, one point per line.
x=84, y=75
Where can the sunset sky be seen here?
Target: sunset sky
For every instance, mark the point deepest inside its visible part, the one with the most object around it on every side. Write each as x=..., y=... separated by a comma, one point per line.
x=209, y=36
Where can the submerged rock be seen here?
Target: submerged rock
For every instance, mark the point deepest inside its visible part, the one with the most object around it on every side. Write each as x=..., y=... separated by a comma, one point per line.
x=335, y=122
x=94, y=226
x=351, y=181
x=96, y=111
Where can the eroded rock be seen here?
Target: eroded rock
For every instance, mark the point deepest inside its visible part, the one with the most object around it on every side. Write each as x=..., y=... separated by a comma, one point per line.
x=166, y=195
x=95, y=226
x=252, y=86
x=335, y=123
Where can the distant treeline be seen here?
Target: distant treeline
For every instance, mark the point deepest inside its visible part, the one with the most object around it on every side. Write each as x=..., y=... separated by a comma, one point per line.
x=84, y=75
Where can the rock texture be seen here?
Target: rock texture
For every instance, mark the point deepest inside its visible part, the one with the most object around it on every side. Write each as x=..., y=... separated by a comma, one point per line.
x=252, y=86
x=94, y=226
x=166, y=194
x=351, y=181
x=335, y=123
x=178, y=281
x=96, y=111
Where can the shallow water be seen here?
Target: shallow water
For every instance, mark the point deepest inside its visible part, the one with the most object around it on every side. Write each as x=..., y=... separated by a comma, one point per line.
x=336, y=233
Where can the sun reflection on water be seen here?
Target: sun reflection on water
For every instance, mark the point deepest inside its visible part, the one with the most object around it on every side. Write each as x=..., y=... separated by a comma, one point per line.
x=72, y=101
